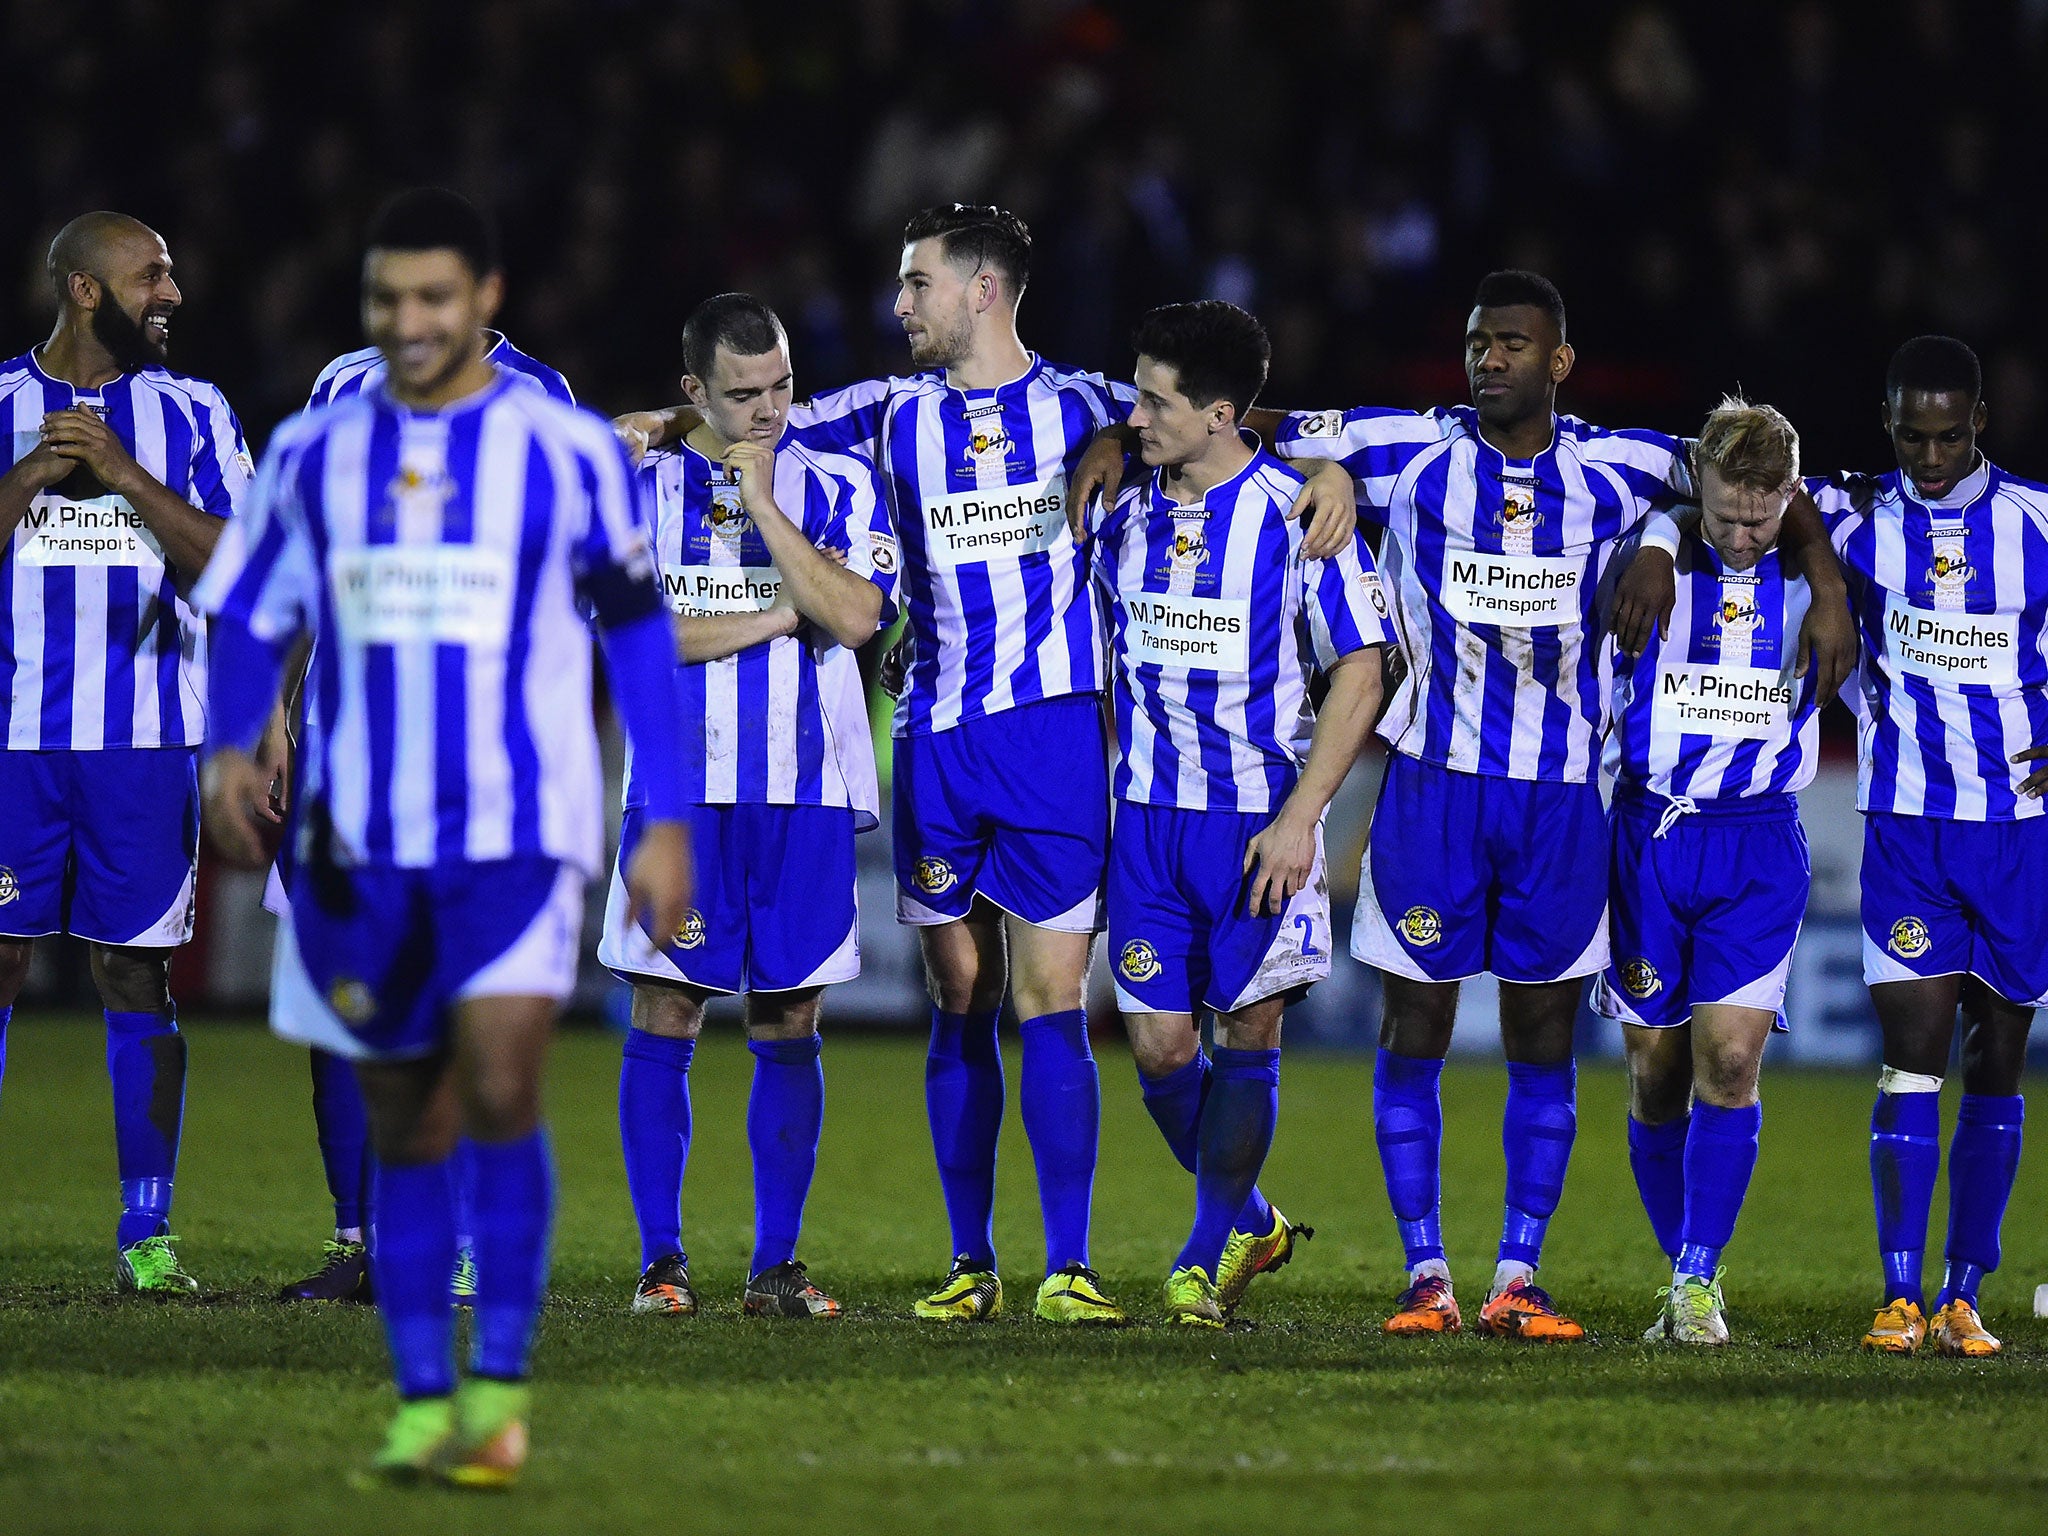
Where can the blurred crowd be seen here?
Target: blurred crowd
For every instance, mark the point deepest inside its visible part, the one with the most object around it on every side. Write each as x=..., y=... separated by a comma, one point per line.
x=1770, y=193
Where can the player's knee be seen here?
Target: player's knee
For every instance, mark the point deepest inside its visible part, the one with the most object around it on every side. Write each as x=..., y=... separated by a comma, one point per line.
x=1727, y=1076
x=132, y=980
x=1660, y=1080
x=668, y=1012
x=501, y=1102
x=785, y=1015
x=14, y=958
x=1162, y=1052
x=1995, y=1052
x=1417, y=1017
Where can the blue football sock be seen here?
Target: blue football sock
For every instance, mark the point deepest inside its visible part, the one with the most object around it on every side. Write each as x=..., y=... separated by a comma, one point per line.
x=654, y=1130
x=1536, y=1133
x=512, y=1202
x=1720, y=1157
x=1236, y=1133
x=1059, y=1095
x=785, y=1113
x=146, y=1062
x=1983, y=1159
x=1905, y=1155
x=1175, y=1104
x=409, y=1265
x=1408, y=1125
x=343, y=1127
x=1656, y=1155
x=963, y=1095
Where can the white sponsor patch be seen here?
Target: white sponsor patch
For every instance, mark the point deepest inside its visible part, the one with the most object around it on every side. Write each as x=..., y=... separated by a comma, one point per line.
x=104, y=530
x=1000, y=522
x=1951, y=647
x=1212, y=634
x=1524, y=591
x=453, y=593
x=702, y=591
x=1728, y=702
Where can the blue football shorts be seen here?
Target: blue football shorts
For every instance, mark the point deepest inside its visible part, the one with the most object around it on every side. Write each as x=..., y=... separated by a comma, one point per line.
x=1708, y=912
x=1010, y=807
x=371, y=962
x=774, y=907
x=1946, y=897
x=1467, y=872
x=102, y=845
x=1181, y=933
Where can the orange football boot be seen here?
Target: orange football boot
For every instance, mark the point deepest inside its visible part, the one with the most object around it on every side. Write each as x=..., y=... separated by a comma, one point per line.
x=1525, y=1311
x=1427, y=1306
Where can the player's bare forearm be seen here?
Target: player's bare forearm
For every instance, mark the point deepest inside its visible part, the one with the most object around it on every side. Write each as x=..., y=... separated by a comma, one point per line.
x=1343, y=726
x=1804, y=537
x=1828, y=642
x=712, y=637
x=842, y=603
x=185, y=534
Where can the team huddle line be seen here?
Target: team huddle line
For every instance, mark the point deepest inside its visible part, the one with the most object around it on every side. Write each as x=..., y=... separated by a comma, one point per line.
x=365, y=664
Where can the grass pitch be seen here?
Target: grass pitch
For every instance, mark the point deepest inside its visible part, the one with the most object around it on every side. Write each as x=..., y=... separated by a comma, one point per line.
x=233, y=1414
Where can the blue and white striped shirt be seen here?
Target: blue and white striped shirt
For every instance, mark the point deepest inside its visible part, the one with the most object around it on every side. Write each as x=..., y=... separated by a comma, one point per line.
x=97, y=647
x=438, y=557
x=1217, y=624
x=995, y=587
x=353, y=372
x=1494, y=568
x=1713, y=712
x=1952, y=601
x=784, y=722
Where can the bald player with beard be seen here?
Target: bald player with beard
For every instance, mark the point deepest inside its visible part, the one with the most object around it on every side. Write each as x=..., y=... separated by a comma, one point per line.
x=120, y=476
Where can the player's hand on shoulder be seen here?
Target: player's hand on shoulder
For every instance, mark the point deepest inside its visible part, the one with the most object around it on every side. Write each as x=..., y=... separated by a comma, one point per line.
x=235, y=808
x=1100, y=472
x=1643, y=598
x=659, y=878
x=640, y=431
x=1328, y=508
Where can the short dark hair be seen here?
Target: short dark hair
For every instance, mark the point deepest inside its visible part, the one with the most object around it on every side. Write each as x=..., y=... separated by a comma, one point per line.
x=1497, y=290
x=1216, y=350
x=981, y=233
x=1939, y=365
x=435, y=219
x=739, y=322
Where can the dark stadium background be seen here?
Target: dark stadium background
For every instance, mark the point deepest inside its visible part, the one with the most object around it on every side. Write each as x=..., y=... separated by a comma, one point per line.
x=1769, y=196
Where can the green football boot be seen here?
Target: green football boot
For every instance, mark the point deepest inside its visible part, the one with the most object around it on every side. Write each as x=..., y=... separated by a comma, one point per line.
x=150, y=1268
x=966, y=1295
x=1247, y=1255
x=1190, y=1297
x=490, y=1434
x=420, y=1434
x=1074, y=1296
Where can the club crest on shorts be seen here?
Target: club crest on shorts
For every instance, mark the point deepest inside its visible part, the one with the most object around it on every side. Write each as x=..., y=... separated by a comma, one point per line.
x=1639, y=978
x=1421, y=926
x=1910, y=939
x=10, y=888
x=934, y=876
x=690, y=931
x=1139, y=961
x=352, y=1000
